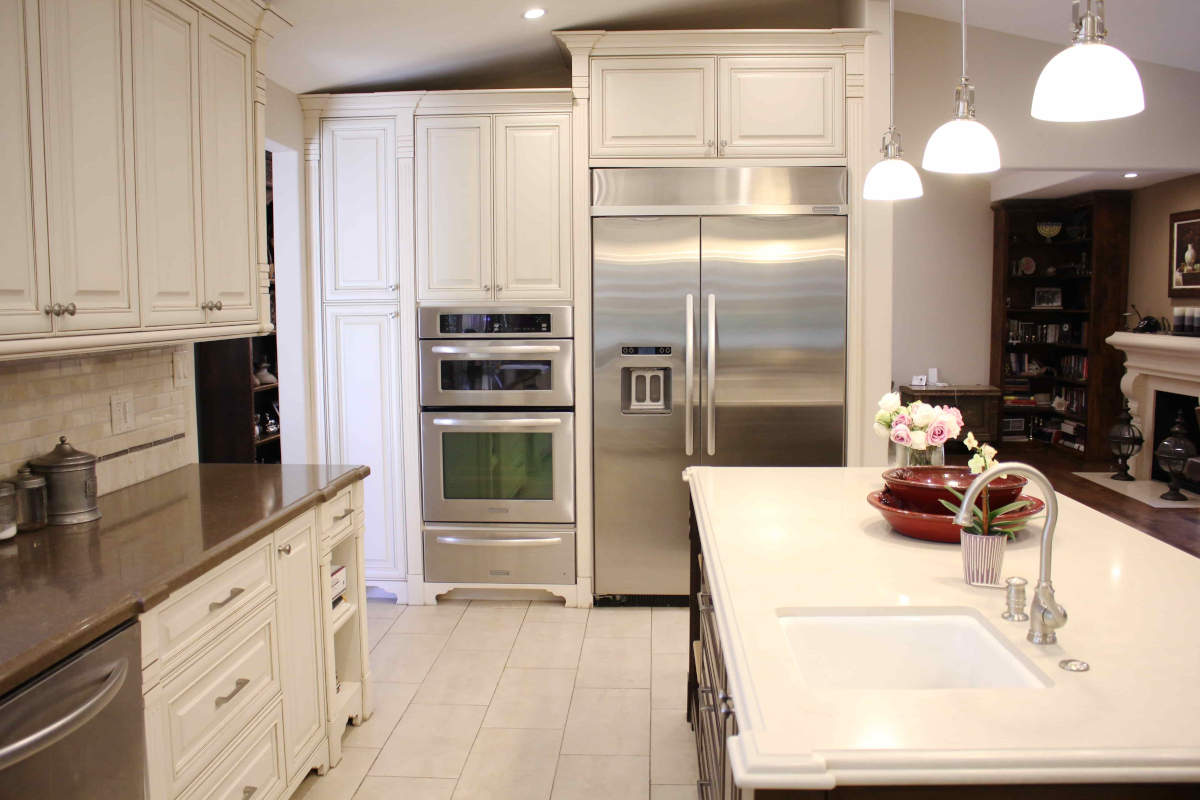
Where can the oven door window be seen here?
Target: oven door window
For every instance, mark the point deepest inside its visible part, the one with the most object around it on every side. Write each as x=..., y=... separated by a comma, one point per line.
x=497, y=466
x=500, y=375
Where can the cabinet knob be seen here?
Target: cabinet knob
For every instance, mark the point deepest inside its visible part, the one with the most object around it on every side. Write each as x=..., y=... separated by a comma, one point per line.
x=709, y=144
x=206, y=305
x=52, y=310
x=70, y=309
x=285, y=550
x=499, y=288
x=217, y=306
x=487, y=287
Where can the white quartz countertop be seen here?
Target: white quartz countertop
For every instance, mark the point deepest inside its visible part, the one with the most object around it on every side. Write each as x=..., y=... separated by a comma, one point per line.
x=806, y=538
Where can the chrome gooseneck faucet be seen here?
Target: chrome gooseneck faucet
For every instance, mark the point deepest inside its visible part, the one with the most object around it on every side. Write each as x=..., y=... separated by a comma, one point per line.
x=1045, y=614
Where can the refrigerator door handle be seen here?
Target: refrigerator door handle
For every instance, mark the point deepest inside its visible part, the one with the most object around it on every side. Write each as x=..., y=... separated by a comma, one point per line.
x=689, y=369
x=710, y=436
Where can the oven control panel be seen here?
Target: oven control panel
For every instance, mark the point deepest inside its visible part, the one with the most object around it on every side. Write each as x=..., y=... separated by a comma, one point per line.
x=446, y=322
x=494, y=322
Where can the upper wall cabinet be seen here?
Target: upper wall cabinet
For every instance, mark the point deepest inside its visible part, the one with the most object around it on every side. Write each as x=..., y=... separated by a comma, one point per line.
x=493, y=207
x=358, y=208
x=737, y=106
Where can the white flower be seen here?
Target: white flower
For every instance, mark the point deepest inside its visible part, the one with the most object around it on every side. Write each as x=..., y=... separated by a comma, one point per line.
x=976, y=464
x=971, y=442
x=882, y=431
x=989, y=452
x=889, y=402
x=918, y=440
x=883, y=418
x=923, y=414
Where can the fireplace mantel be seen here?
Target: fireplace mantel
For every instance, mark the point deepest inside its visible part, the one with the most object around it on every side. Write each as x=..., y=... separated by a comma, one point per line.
x=1155, y=363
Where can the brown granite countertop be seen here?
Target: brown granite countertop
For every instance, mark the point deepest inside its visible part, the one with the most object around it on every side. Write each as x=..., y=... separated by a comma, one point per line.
x=62, y=587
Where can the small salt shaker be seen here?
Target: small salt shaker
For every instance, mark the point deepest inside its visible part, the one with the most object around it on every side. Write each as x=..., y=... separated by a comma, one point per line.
x=1016, y=600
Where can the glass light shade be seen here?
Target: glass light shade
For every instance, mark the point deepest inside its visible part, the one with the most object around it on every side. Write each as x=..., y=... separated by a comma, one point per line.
x=892, y=179
x=962, y=146
x=1086, y=82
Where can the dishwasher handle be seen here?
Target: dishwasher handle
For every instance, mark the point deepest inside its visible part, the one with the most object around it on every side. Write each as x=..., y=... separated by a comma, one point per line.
x=67, y=724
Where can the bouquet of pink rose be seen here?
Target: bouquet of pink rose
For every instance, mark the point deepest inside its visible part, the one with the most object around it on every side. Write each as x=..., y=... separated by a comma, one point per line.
x=918, y=425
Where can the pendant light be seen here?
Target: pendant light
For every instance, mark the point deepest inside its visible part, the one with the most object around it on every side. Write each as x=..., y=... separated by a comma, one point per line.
x=893, y=178
x=962, y=145
x=1090, y=80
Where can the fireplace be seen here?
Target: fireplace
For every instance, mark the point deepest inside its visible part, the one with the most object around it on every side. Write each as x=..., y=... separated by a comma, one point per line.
x=1167, y=406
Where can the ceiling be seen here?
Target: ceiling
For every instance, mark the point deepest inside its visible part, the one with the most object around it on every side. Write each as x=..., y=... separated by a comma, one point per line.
x=1030, y=184
x=417, y=44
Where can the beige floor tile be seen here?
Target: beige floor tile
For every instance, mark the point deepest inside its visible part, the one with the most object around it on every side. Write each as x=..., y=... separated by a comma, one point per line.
x=391, y=701
x=604, y=722
x=669, y=630
x=429, y=619
x=672, y=748
x=376, y=629
x=384, y=609
x=668, y=680
x=462, y=678
x=497, y=630
x=510, y=765
x=430, y=742
x=546, y=611
x=549, y=645
x=614, y=664
x=531, y=698
x=610, y=622
x=339, y=783
x=500, y=603
x=602, y=778
x=407, y=789
x=405, y=657
x=669, y=792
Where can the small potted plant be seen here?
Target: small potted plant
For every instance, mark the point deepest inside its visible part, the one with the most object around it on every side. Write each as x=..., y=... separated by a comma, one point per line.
x=984, y=539
x=917, y=432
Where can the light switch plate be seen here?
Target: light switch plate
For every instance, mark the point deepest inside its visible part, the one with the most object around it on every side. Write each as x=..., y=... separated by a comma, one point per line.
x=181, y=369
x=122, y=412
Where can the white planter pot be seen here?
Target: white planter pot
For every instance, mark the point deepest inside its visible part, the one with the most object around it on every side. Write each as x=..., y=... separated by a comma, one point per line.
x=983, y=558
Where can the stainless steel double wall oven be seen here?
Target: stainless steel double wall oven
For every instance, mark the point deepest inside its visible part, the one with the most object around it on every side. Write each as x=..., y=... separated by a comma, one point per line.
x=498, y=444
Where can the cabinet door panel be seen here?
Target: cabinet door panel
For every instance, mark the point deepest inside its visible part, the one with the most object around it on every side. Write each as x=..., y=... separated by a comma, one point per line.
x=533, y=206
x=782, y=106
x=301, y=645
x=227, y=168
x=454, y=207
x=88, y=134
x=653, y=107
x=167, y=123
x=358, y=208
x=25, y=277
x=362, y=395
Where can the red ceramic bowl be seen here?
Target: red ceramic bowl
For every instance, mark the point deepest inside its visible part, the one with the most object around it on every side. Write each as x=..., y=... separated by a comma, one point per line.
x=920, y=488
x=935, y=527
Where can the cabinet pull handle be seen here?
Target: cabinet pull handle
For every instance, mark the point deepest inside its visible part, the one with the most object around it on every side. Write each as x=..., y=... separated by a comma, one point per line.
x=239, y=684
x=285, y=550
x=234, y=592
x=248, y=792
x=70, y=309
x=343, y=515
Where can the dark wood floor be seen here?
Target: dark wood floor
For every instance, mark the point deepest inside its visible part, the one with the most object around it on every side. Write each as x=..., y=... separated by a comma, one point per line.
x=1177, y=527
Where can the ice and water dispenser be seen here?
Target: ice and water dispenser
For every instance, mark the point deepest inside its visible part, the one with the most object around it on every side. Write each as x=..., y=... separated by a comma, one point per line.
x=645, y=389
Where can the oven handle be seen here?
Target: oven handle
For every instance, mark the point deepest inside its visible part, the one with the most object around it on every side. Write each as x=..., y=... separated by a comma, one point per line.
x=66, y=725
x=529, y=542
x=475, y=351
x=447, y=422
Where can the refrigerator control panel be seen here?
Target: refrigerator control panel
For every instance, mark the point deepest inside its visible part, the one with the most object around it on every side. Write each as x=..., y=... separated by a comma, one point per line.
x=645, y=350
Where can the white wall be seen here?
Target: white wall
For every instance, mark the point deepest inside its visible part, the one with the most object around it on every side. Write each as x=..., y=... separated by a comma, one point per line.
x=285, y=140
x=943, y=241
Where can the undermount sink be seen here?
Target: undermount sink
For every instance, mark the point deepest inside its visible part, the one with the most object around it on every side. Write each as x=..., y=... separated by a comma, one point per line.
x=904, y=649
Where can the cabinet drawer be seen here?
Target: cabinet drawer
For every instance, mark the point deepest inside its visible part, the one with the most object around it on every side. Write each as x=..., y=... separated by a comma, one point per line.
x=490, y=555
x=339, y=511
x=208, y=701
x=213, y=598
x=252, y=769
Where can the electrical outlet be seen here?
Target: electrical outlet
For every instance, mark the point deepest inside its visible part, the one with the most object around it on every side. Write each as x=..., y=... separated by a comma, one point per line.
x=181, y=369
x=121, y=410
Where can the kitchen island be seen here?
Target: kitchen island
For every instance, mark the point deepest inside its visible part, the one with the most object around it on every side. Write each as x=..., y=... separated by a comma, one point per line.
x=778, y=544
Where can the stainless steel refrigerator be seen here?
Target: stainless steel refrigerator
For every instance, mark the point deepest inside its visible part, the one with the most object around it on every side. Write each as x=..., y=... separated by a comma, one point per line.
x=719, y=313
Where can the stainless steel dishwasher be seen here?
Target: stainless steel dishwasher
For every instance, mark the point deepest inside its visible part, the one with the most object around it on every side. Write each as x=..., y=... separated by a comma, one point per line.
x=76, y=731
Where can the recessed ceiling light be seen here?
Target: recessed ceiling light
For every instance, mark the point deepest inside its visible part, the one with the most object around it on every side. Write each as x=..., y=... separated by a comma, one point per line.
x=1130, y=174
x=534, y=13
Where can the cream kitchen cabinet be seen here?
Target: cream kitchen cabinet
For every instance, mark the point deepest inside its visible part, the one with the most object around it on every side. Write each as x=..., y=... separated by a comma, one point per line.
x=358, y=209
x=130, y=167
x=493, y=210
x=789, y=106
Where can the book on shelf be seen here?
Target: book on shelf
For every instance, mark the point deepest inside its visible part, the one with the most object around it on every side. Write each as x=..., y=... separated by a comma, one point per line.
x=1072, y=333
x=1074, y=367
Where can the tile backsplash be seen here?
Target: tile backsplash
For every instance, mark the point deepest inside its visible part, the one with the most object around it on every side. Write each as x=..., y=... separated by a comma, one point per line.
x=43, y=399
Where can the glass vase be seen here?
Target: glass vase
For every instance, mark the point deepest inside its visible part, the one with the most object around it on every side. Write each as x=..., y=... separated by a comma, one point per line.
x=901, y=456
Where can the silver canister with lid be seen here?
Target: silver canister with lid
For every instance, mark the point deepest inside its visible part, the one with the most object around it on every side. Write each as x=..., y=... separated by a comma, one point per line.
x=70, y=484
x=31, y=500
x=8, y=510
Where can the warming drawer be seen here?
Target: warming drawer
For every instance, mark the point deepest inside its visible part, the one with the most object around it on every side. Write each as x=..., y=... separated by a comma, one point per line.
x=499, y=554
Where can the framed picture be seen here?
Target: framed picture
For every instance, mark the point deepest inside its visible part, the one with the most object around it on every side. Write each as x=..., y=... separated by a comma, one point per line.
x=1183, y=280
x=1047, y=298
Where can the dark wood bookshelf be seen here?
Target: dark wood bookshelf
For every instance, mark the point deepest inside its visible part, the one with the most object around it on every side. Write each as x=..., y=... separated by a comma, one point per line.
x=228, y=397
x=1088, y=263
